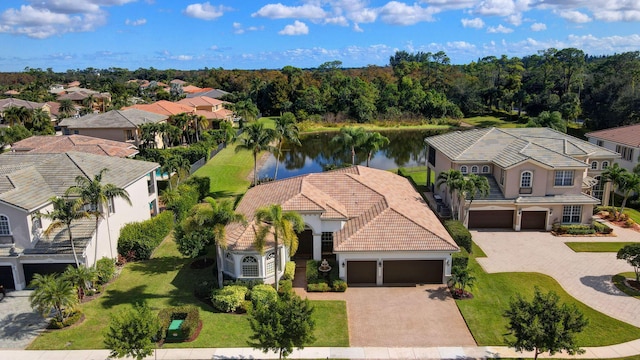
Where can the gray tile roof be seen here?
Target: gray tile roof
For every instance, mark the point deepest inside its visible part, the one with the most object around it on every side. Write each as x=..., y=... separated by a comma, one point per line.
x=29, y=180
x=215, y=93
x=58, y=241
x=124, y=119
x=509, y=147
x=12, y=102
x=558, y=199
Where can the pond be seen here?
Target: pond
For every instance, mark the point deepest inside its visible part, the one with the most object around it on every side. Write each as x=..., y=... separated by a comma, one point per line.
x=316, y=154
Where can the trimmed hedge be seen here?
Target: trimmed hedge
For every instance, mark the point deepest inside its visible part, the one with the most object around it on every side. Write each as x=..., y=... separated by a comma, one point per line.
x=582, y=229
x=289, y=271
x=72, y=319
x=459, y=233
x=319, y=287
x=141, y=238
x=263, y=293
x=339, y=286
x=105, y=269
x=460, y=260
x=229, y=298
x=602, y=228
x=189, y=313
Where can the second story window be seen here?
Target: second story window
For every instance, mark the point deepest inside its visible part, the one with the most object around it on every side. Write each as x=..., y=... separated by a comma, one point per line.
x=485, y=169
x=563, y=178
x=625, y=152
x=605, y=164
x=5, y=229
x=594, y=165
x=463, y=169
x=525, y=179
x=129, y=135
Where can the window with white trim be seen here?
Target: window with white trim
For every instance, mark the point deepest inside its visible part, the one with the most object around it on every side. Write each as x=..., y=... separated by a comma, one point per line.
x=563, y=178
x=525, y=179
x=463, y=169
x=594, y=165
x=625, y=152
x=485, y=169
x=605, y=164
x=5, y=228
x=474, y=169
x=110, y=204
x=271, y=262
x=571, y=214
x=250, y=266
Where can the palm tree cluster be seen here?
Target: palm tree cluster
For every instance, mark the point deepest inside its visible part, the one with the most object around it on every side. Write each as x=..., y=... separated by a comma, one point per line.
x=624, y=181
x=37, y=121
x=462, y=188
x=358, y=139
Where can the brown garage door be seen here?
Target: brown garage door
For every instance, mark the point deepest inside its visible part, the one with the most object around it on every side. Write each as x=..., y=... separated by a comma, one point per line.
x=412, y=272
x=533, y=220
x=491, y=219
x=361, y=272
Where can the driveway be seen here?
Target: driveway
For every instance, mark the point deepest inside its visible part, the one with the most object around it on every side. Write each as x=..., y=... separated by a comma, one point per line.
x=20, y=324
x=586, y=276
x=415, y=316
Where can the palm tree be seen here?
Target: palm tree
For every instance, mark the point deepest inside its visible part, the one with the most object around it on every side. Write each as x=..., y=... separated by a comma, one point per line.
x=98, y=196
x=65, y=211
x=17, y=115
x=228, y=132
x=175, y=164
x=66, y=108
x=453, y=180
x=372, y=142
x=283, y=226
x=148, y=134
x=461, y=278
x=614, y=175
x=81, y=277
x=215, y=215
x=200, y=123
x=472, y=186
x=286, y=130
x=629, y=183
x=350, y=139
x=40, y=123
x=181, y=121
x=245, y=109
x=256, y=138
x=52, y=292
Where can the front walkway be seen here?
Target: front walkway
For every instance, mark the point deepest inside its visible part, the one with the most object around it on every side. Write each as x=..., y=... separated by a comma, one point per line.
x=585, y=276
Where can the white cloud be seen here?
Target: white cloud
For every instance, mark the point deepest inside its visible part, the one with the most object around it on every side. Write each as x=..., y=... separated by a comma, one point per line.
x=205, y=11
x=357, y=28
x=297, y=28
x=279, y=11
x=515, y=19
x=475, y=23
x=136, y=22
x=42, y=23
x=239, y=29
x=183, y=57
x=461, y=45
x=397, y=13
x=496, y=7
x=538, y=27
x=575, y=16
x=499, y=29
x=338, y=20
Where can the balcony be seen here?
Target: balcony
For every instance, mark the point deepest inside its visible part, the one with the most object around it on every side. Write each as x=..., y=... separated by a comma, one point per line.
x=526, y=191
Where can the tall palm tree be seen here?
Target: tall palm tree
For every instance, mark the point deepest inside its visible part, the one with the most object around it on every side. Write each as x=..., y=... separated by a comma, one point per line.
x=199, y=123
x=177, y=167
x=286, y=130
x=65, y=212
x=215, y=215
x=372, y=142
x=283, y=226
x=613, y=174
x=629, y=183
x=350, y=139
x=453, y=180
x=256, y=138
x=40, y=123
x=17, y=115
x=66, y=108
x=181, y=121
x=52, y=292
x=473, y=185
x=98, y=196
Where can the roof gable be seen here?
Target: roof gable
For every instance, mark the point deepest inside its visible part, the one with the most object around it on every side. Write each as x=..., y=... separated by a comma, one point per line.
x=626, y=135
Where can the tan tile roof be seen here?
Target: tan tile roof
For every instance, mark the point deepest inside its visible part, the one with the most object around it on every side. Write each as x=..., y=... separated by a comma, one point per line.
x=163, y=107
x=626, y=135
x=189, y=89
x=79, y=143
x=201, y=101
x=382, y=210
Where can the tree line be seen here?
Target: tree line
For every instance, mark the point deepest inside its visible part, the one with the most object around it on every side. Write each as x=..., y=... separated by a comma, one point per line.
x=598, y=89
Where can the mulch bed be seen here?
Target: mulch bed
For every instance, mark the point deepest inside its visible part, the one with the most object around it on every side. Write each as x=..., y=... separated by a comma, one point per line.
x=192, y=338
x=460, y=294
x=202, y=263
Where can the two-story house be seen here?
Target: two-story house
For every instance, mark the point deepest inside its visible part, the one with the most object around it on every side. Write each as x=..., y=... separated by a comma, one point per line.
x=537, y=176
x=29, y=181
x=212, y=109
x=625, y=140
x=372, y=222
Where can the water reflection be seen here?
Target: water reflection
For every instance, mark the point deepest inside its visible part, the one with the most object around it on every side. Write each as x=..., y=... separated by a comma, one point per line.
x=317, y=153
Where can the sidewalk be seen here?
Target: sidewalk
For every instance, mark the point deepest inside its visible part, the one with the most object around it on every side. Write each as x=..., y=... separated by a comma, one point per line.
x=468, y=352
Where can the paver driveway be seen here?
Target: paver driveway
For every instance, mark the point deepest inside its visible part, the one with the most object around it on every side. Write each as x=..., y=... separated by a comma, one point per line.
x=415, y=316
x=586, y=276
x=19, y=323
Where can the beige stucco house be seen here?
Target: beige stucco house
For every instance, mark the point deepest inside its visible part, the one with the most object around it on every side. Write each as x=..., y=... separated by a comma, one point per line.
x=624, y=140
x=537, y=176
x=376, y=226
x=27, y=184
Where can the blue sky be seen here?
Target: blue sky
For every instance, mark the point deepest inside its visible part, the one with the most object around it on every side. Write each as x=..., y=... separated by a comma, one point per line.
x=249, y=34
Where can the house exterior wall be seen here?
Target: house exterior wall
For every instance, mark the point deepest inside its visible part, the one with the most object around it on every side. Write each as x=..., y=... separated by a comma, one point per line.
x=511, y=189
x=629, y=165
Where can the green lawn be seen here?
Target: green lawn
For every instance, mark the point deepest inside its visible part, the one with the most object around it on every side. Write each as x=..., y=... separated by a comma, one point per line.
x=492, y=295
x=490, y=121
x=618, y=281
x=167, y=280
x=633, y=214
x=228, y=171
x=597, y=246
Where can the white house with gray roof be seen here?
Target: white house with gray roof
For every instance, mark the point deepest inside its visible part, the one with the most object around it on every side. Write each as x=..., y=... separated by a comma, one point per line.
x=27, y=184
x=537, y=176
x=117, y=125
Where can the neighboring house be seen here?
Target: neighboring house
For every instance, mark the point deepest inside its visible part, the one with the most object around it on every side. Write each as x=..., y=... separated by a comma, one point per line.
x=117, y=125
x=49, y=144
x=178, y=82
x=378, y=228
x=81, y=98
x=54, y=110
x=30, y=105
x=209, y=92
x=190, y=89
x=56, y=88
x=163, y=107
x=210, y=108
x=27, y=184
x=624, y=140
x=537, y=176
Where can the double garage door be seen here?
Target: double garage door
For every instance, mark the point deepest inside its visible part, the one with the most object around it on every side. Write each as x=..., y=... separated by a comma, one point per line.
x=396, y=272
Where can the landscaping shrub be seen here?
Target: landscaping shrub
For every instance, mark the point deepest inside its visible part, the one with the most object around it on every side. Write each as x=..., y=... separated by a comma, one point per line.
x=72, y=319
x=459, y=260
x=285, y=287
x=204, y=289
x=629, y=223
x=339, y=286
x=318, y=287
x=289, y=270
x=249, y=284
x=459, y=233
x=142, y=238
x=602, y=228
x=574, y=229
x=312, y=271
x=189, y=313
x=105, y=269
x=263, y=293
x=201, y=184
x=229, y=298
x=188, y=198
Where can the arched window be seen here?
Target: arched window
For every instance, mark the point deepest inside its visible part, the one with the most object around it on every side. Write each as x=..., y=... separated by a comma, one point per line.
x=463, y=169
x=485, y=169
x=525, y=179
x=5, y=229
x=474, y=169
x=271, y=262
x=594, y=165
x=228, y=262
x=605, y=165
x=250, y=266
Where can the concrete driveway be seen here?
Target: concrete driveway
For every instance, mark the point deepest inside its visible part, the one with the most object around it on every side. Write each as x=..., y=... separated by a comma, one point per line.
x=586, y=276
x=415, y=316
x=20, y=324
